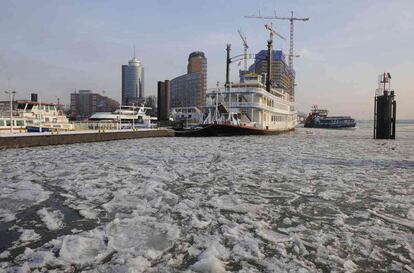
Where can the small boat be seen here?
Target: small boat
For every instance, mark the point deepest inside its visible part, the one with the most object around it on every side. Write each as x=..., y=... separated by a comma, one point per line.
x=184, y=118
x=318, y=118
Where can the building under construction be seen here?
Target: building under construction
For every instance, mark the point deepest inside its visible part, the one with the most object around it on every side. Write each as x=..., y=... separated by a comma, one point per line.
x=282, y=76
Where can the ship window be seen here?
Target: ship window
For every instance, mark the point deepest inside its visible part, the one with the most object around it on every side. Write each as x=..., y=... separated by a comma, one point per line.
x=8, y=122
x=19, y=122
x=1, y=122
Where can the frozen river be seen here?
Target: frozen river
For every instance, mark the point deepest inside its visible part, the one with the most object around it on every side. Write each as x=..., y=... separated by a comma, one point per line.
x=310, y=201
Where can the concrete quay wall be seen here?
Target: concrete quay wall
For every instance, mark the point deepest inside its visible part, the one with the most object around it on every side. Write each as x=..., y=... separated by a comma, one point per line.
x=27, y=140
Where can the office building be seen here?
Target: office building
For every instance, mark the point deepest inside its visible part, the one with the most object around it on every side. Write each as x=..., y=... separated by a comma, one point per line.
x=85, y=103
x=132, y=83
x=189, y=90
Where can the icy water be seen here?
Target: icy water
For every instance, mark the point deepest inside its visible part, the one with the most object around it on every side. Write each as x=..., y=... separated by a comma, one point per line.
x=310, y=201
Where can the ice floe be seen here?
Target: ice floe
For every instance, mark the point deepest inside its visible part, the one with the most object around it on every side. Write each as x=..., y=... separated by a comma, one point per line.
x=53, y=219
x=330, y=201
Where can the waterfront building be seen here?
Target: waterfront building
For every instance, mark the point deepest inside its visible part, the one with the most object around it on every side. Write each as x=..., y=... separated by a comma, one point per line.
x=132, y=82
x=283, y=77
x=85, y=103
x=189, y=90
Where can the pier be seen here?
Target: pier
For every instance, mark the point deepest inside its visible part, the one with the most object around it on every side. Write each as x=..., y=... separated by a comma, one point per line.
x=10, y=141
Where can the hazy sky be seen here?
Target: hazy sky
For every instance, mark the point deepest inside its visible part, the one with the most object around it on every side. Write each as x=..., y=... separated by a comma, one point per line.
x=55, y=47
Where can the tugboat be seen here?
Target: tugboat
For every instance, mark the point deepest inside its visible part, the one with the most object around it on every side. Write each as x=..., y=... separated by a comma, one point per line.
x=318, y=118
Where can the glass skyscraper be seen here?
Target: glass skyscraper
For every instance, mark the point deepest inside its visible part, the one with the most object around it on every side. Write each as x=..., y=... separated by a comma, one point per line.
x=132, y=83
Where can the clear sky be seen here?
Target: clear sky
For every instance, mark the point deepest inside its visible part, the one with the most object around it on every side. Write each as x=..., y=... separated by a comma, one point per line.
x=55, y=47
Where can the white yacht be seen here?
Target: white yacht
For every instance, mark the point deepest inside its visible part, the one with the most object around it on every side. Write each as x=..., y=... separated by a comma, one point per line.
x=127, y=116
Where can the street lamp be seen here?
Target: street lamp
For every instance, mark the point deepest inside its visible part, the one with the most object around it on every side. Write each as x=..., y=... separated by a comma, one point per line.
x=58, y=102
x=11, y=97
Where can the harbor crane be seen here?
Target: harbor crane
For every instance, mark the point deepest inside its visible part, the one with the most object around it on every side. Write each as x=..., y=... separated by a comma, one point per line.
x=245, y=48
x=291, y=19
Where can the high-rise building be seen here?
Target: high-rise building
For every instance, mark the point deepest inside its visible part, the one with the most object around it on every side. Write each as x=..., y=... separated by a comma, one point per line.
x=282, y=76
x=132, y=82
x=85, y=103
x=189, y=90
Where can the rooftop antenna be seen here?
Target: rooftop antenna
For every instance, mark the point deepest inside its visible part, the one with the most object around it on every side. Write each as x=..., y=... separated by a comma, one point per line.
x=134, y=52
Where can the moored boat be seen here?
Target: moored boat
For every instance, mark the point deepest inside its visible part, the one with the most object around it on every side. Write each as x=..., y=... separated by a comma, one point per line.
x=19, y=125
x=127, y=116
x=255, y=106
x=33, y=116
x=246, y=109
x=42, y=117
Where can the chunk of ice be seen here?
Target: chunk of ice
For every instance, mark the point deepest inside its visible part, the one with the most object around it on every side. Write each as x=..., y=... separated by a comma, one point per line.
x=53, y=219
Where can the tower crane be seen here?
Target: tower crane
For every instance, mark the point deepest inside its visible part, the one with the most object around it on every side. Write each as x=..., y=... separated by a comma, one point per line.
x=245, y=48
x=273, y=32
x=291, y=19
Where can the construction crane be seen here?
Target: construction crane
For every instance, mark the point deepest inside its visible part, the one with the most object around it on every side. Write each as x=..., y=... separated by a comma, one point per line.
x=291, y=19
x=245, y=48
x=273, y=32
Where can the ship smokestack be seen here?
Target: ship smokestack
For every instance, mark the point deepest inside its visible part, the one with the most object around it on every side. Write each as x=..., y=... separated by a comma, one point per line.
x=33, y=97
x=269, y=66
x=228, y=61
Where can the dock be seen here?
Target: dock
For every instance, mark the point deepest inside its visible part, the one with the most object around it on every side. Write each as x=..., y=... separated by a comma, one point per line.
x=22, y=140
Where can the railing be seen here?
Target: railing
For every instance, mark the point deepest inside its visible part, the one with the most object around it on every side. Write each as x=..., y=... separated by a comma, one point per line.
x=77, y=125
x=253, y=105
x=279, y=94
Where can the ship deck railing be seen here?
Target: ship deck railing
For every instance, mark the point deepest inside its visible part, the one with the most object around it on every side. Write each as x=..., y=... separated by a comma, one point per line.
x=253, y=105
x=249, y=89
